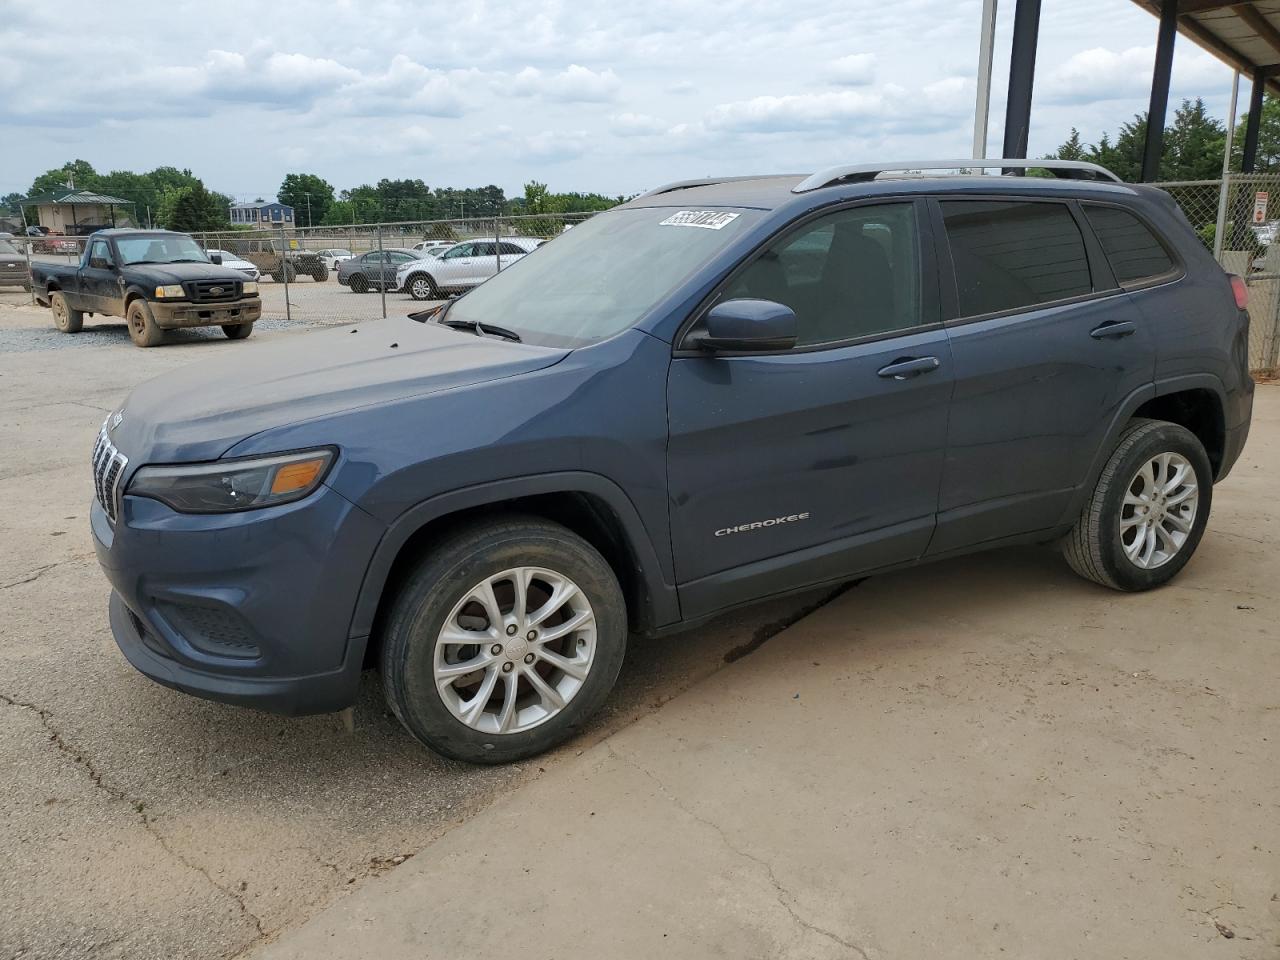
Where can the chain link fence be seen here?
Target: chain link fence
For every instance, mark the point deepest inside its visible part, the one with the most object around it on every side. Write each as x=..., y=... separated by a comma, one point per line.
x=1238, y=219
x=333, y=275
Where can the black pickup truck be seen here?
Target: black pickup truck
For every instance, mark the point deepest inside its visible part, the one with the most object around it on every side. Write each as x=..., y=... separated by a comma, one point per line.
x=156, y=279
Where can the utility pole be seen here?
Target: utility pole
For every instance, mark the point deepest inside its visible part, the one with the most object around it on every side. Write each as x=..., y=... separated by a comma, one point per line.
x=308, y=196
x=982, y=110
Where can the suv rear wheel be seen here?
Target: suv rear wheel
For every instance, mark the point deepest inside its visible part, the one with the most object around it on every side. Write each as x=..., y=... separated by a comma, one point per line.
x=504, y=641
x=1148, y=511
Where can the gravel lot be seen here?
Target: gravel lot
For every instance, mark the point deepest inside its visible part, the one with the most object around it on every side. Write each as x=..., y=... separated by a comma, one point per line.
x=140, y=823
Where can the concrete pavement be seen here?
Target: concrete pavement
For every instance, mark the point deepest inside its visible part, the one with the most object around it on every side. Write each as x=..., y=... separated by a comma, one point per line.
x=139, y=823
x=988, y=757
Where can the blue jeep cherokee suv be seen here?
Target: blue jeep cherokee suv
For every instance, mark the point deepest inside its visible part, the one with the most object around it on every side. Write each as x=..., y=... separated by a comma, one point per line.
x=718, y=392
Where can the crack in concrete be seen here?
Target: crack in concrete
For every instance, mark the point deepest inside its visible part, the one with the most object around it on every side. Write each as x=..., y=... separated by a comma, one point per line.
x=766, y=632
x=786, y=899
x=41, y=571
x=82, y=760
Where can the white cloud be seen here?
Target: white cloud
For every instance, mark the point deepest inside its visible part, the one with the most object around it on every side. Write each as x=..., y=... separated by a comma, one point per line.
x=574, y=84
x=855, y=70
x=635, y=125
x=803, y=111
x=1101, y=73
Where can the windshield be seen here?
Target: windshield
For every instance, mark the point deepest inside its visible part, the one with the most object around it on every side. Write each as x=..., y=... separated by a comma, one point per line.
x=159, y=248
x=602, y=276
x=8, y=249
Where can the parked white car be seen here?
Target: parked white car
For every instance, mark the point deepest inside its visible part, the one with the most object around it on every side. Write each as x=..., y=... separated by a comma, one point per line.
x=433, y=248
x=235, y=262
x=334, y=257
x=463, y=266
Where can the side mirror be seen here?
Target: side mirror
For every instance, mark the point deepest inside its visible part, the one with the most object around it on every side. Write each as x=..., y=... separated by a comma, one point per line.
x=748, y=325
x=215, y=259
x=99, y=263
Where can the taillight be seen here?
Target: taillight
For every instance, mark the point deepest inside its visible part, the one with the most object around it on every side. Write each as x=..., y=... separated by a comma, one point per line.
x=1240, y=289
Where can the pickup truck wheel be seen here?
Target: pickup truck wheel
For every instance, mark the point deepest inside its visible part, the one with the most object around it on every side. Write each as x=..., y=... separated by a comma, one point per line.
x=237, y=331
x=320, y=274
x=360, y=283
x=143, y=330
x=64, y=318
x=422, y=287
x=1148, y=511
x=504, y=640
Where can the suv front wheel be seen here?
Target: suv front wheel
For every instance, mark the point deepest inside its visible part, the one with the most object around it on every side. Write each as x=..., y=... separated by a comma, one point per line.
x=1148, y=511
x=504, y=641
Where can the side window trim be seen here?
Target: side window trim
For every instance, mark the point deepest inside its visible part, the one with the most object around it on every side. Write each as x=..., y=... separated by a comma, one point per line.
x=930, y=311
x=1179, y=269
x=952, y=316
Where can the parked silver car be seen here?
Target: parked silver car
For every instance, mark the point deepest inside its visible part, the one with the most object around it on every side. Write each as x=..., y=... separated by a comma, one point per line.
x=462, y=266
x=375, y=269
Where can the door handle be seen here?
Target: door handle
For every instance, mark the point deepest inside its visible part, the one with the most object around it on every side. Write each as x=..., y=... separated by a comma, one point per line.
x=905, y=367
x=1111, y=330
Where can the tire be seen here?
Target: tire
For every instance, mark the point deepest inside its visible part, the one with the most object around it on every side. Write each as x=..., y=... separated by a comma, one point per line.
x=1138, y=494
x=420, y=286
x=143, y=330
x=237, y=331
x=320, y=274
x=437, y=592
x=64, y=318
x=360, y=283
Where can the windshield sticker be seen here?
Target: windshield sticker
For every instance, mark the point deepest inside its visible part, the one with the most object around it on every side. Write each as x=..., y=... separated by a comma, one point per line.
x=707, y=219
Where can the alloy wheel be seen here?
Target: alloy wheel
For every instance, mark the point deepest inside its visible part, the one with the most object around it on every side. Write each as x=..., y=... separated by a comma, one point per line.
x=515, y=650
x=1159, y=510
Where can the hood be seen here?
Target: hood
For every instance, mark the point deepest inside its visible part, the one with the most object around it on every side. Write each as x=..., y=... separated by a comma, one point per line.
x=200, y=411
x=162, y=273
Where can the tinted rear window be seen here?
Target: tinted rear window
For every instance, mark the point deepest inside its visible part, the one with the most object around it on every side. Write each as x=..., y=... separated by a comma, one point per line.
x=1010, y=254
x=1133, y=250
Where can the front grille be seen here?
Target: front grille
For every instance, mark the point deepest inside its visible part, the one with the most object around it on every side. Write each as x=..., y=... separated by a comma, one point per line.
x=203, y=291
x=108, y=470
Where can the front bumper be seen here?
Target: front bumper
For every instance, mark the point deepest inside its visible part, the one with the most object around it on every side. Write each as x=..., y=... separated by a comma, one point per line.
x=186, y=314
x=251, y=608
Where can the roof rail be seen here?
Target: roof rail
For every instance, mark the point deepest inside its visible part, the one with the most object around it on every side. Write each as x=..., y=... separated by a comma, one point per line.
x=860, y=172
x=707, y=182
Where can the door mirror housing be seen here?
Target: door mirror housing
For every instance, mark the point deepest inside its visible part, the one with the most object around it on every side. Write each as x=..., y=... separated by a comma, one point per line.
x=100, y=263
x=215, y=259
x=747, y=325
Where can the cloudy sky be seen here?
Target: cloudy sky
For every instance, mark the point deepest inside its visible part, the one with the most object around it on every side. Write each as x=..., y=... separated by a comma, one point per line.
x=584, y=95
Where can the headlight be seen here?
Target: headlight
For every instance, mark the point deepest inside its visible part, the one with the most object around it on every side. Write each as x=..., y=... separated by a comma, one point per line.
x=250, y=286
x=170, y=292
x=234, y=484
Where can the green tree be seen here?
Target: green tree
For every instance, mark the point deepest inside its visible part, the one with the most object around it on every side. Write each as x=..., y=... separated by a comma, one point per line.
x=309, y=195
x=1268, y=156
x=191, y=208
x=1073, y=149
x=1193, y=144
x=79, y=173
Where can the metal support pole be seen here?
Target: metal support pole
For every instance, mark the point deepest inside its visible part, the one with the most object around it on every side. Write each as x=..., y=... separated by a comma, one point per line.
x=382, y=271
x=497, y=242
x=284, y=272
x=1022, y=72
x=1248, y=161
x=986, y=50
x=1220, y=227
x=31, y=287
x=1159, y=103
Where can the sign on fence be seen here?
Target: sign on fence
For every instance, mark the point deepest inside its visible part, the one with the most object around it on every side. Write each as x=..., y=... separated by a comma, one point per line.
x=1260, y=207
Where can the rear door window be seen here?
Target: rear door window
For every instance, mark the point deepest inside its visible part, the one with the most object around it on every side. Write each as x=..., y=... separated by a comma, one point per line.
x=1012, y=254
x=1133, y=250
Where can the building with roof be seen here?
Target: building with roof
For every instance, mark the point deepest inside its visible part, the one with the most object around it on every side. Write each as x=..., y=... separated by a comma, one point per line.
x=273, y=214
x=73, y=212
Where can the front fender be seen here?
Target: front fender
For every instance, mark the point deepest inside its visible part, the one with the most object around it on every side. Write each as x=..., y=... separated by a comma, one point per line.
x=659, y=597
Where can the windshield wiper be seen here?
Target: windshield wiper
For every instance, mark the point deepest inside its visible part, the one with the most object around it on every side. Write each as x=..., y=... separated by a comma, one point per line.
x=480, y=328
